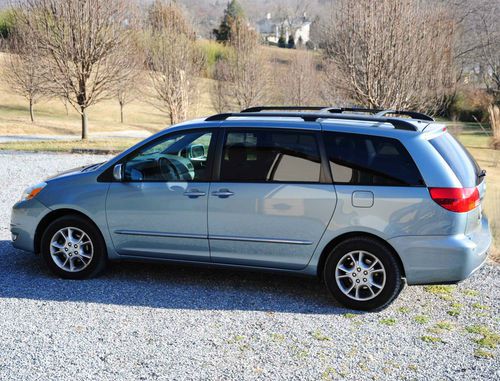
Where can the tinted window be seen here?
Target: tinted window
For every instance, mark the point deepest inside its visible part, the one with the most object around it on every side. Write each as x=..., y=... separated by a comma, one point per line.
x=459, y=159
x=180, y=157
x=370, y=160
x=270, y=156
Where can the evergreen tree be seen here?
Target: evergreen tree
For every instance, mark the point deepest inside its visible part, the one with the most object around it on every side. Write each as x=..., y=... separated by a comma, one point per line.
x=291, y=42
x=232, y=14
x=281, y=40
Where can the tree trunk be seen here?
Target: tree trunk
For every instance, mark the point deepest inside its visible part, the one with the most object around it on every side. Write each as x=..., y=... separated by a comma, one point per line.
x=121, y=112
x=84, y=123
x=32, y=114
x=66, y=107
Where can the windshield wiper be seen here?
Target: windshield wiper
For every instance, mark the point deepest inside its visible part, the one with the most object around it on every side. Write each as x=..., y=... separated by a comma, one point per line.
x=92, y=166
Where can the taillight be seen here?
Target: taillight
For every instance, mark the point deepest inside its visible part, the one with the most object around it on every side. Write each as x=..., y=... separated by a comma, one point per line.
x=458, y=200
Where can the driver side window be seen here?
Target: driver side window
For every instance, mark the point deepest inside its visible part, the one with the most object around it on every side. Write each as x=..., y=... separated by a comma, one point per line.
x=179, y=157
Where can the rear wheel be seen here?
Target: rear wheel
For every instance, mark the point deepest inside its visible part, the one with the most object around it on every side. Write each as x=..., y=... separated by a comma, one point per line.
x=362, y=274
x=73, y=248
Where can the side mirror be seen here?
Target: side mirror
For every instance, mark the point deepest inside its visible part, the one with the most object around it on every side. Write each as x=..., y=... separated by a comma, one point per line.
x=196, y=151
x=118, y=172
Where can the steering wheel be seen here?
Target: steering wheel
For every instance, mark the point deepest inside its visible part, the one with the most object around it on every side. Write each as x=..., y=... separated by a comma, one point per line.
x=168, y=170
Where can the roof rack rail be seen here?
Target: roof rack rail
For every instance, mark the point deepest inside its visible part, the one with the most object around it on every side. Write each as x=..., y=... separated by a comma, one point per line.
x=411, y=114
x=284, y=108
x=399, y=124
x=340, y=110
x=381, y=113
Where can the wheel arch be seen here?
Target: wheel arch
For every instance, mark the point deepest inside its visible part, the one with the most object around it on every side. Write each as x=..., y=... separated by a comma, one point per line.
x=334, y=242
x=54, y=215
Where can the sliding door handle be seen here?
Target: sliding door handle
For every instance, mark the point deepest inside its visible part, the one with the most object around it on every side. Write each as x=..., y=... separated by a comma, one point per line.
x=223, y=193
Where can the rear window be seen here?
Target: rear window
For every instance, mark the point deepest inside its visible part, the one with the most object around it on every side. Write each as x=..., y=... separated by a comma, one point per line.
x=370, y=160
x=459, y=159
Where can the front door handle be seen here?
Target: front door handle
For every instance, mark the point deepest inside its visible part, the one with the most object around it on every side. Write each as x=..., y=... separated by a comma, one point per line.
x=194, y=193
x=223, y=193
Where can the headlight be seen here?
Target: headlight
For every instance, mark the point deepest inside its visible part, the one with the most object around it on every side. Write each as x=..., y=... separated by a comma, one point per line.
x=32, y=191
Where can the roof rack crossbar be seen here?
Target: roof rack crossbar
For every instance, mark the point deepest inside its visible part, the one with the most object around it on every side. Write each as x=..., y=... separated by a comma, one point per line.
x=398, y=124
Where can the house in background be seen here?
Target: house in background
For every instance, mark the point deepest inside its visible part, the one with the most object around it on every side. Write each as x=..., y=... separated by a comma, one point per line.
x=271, y=29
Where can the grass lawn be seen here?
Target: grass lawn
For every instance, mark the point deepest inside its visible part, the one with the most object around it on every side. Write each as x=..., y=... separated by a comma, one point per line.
x=52, y=118
x=108, y=145
x=489, y=160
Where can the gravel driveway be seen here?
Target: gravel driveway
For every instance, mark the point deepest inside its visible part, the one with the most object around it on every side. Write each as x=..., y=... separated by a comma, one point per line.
x=170, y=322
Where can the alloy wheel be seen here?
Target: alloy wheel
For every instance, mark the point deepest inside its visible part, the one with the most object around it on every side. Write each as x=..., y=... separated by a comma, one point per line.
x=360, y=275
x=71, y=249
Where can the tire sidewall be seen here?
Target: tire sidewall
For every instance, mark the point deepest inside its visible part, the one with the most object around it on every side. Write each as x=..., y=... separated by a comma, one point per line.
x=393, y=281
x=99, y=256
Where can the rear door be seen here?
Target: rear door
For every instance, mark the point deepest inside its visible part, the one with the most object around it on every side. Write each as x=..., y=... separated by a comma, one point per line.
x=272, y=202
x=379, y=187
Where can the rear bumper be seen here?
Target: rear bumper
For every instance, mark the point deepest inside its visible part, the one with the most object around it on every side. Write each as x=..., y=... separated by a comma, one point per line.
x=443, y=259
x=25, y=217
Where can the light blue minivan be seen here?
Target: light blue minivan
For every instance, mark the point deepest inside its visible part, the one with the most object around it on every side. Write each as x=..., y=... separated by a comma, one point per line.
x=367, y=200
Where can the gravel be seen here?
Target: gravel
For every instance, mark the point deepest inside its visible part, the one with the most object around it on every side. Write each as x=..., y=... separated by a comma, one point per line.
x=144, y=321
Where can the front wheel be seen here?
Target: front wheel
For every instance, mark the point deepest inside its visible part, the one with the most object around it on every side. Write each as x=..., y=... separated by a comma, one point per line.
x=73, y=248
x=362, y=274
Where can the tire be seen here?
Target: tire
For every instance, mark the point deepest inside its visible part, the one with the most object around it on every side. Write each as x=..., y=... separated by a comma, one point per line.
x=87, y=258
x=379, y=282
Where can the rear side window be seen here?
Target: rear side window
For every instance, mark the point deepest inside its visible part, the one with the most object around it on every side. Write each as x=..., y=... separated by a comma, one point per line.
x=459, y=159
x=270, y=156
x=370, y=160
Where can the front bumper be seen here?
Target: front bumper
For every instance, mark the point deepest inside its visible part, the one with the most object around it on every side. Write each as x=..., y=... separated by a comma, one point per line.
x=443, y=259
x=25, y=217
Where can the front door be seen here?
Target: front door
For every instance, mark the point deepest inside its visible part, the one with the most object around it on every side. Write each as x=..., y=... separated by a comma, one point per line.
x=160, y=209
x=270, y=207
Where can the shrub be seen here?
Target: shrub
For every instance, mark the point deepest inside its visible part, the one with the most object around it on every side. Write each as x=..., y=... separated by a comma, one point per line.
x=213, y=51
x=470, y=105
x=6, y=23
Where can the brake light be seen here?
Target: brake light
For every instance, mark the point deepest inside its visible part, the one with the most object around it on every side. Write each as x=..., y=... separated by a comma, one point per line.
x=459, y=200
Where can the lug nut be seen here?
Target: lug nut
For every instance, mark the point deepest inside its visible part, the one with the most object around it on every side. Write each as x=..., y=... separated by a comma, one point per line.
x=366, y=273
x=364, y=279
x=359, y=268
x=353, y=274
x=357, y=281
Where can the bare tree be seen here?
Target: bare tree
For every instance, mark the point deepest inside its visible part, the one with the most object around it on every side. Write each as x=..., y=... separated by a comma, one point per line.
x=494, y=112
x=85, y=45
x=24, y=71
x=219, y=87
x=488, y=33
x=173, y=60
x=390, y=53
x=128, y=88
x=126, y=92
x=298, y=82
x=477, y=47
x=242, y=75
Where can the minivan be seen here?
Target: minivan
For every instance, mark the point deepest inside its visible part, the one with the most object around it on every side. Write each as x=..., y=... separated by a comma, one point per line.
x=366, y=200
